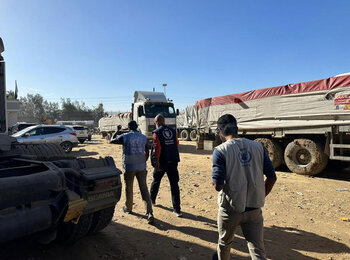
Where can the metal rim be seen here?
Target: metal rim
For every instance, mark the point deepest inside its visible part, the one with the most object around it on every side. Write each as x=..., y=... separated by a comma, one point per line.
x=303, y=156
x=66, y=146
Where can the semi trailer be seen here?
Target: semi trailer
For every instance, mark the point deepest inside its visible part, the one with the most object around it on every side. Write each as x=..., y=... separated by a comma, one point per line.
x=301, y=125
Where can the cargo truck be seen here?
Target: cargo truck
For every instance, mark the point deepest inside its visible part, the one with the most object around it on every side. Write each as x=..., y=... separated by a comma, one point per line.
x=146, y=106
x=302, y=125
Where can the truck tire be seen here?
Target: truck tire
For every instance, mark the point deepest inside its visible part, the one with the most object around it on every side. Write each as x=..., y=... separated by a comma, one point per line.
x=67, y=146
x=305, y=157
x=42, y=152
x=273, y=149
x=69, y=232
x=101, y=219
x=193, y=135
x=184, y=135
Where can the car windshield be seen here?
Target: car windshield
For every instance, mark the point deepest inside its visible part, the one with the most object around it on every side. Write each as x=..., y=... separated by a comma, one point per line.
x=153, y=110
x=18, y=134
x=78, y=128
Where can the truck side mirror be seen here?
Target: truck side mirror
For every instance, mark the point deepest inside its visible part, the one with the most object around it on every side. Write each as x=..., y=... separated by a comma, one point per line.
x=177, y=112
x=26, y=135
x=2, y=48
x=140, y=111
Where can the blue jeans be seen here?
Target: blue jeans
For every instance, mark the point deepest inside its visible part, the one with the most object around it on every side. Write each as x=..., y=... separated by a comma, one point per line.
x=173, y=175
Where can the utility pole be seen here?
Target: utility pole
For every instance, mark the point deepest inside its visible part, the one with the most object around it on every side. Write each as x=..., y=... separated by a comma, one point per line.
x=164, y=85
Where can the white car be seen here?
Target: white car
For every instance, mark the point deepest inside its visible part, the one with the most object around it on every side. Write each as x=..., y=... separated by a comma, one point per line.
x=38, y=134
x=81, y=131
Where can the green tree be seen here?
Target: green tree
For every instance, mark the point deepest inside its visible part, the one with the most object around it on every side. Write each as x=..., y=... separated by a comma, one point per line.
x=10, y=94
x=32, y=109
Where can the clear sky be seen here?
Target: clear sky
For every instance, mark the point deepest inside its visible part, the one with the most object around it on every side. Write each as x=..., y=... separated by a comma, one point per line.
x=104, y=50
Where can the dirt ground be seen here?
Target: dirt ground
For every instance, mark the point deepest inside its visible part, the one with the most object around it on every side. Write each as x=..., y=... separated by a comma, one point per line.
x=302, y=218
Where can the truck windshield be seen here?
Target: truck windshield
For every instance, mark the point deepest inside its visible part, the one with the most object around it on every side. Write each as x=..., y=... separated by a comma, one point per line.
x=155, y=109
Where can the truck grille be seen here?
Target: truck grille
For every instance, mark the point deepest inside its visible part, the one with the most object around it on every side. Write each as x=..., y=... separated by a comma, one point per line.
x=151, y=128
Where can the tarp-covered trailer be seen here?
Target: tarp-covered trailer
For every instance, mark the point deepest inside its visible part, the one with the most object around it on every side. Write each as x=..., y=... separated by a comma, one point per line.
x=186, y=124
x=109, y=124
x=302, y=125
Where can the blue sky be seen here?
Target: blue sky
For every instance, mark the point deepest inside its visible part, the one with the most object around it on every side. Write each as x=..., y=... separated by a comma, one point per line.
x=102, y=51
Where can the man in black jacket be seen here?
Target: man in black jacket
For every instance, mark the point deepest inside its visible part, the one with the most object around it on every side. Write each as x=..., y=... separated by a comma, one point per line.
x=167, y=157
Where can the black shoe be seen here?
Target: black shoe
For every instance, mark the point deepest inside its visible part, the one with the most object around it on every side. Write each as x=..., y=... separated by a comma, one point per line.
x=150, y=218
x=177, y=213
x=126, y=210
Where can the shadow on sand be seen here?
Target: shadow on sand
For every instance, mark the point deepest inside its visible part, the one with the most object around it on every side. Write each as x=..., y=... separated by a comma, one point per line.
x=118, y=241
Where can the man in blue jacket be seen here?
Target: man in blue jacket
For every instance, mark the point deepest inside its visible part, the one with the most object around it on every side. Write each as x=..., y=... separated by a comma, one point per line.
x=135, y=155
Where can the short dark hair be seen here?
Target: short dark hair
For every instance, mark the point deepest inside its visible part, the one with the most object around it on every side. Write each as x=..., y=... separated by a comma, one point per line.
x=132, y=125
x=228, y=125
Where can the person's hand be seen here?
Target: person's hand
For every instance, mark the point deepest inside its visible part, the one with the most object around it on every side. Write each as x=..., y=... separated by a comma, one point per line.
x=218, y=187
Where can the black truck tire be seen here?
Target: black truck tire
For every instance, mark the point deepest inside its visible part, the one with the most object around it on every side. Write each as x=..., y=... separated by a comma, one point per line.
x=184, y=135
x=273, y=149
x=42, y=152
x=193, y=135
x=305, y=157
x=101, y=219
x=69, y=232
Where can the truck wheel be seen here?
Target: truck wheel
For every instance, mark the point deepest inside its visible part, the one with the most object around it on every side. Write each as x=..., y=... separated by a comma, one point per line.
x=101, y=219
x=305, y=157
x=67, y=146
x=69, y=232
x=184, y=135
x=193, y=135
x=42, y=152
x=273, y=149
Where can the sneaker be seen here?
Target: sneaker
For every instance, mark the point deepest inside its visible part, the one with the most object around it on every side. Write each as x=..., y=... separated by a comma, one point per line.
x=177, y=213
x=150, y=218
x=126, y=210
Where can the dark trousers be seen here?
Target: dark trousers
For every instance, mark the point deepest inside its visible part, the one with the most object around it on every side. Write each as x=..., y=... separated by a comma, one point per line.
x=173, y=175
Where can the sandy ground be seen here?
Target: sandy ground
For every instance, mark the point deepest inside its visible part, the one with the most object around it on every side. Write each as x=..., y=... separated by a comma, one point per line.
x=302, y=218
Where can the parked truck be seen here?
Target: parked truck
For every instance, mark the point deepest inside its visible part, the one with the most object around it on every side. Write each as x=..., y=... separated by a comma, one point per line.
x=45, y=193
x=146, y=106
x=186, y=124
x=302, y=125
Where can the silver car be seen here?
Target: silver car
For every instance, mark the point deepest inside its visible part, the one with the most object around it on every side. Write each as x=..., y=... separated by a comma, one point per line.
x=81, y=131
x=39, y=134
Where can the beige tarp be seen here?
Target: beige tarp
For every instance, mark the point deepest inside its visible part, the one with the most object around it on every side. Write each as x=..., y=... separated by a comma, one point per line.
x=110, y=123
x=318, y=108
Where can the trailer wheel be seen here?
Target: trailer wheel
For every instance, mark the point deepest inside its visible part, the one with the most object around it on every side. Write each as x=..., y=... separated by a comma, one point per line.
x=193, y=135
x=69, y=232
x=101, y=219
x=273, y=149
x=184, y=135
x=305, y=157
